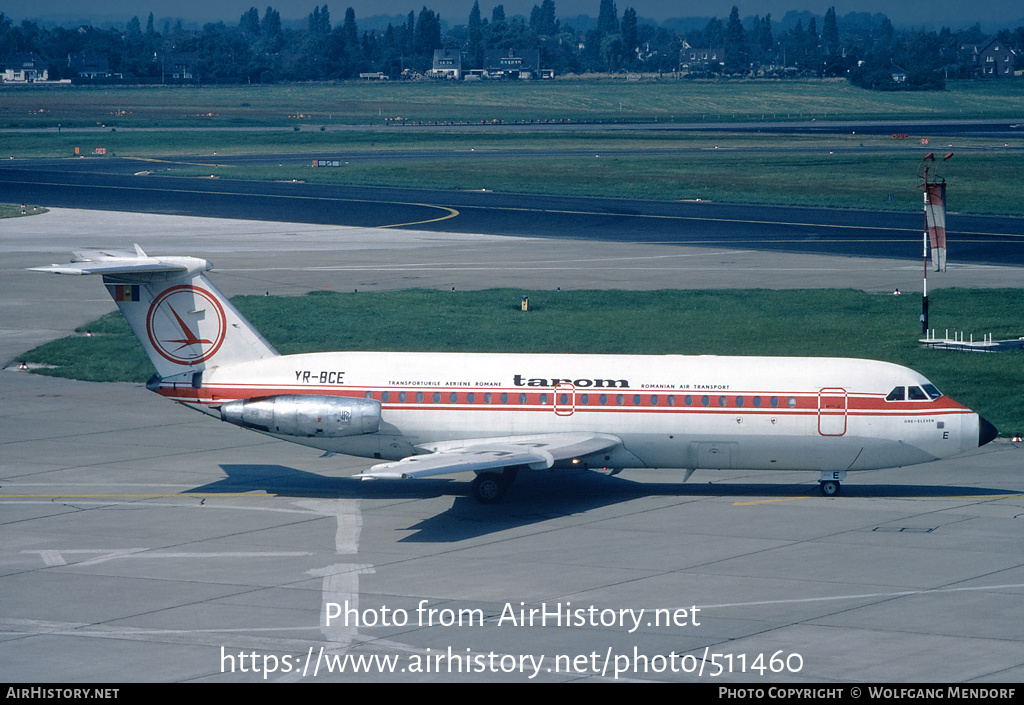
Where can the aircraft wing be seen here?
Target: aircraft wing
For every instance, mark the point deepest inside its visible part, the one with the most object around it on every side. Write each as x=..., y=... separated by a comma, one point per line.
x=537, y=452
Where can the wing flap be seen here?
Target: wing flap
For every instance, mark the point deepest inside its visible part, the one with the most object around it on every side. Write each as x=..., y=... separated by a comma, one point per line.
x=457, y=461
x=536, y=452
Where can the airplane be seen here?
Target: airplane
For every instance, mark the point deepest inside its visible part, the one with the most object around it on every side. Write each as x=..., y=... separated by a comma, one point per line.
x=427, y=414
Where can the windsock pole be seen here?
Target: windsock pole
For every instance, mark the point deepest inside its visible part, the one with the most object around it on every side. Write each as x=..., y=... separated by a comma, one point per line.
x=934, y=226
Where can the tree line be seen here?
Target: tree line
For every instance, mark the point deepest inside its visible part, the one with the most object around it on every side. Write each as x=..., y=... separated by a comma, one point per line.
x=259, y=48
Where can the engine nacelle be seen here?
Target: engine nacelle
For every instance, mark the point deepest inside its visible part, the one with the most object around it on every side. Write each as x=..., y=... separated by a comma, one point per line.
x=307, y=416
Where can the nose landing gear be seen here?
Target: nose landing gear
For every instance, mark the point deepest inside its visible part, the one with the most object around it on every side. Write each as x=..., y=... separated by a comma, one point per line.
x=829, y=482
x=829, y=488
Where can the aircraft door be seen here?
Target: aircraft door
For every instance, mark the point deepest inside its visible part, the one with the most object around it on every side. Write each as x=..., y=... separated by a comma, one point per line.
x=832, y=411
x=565, y=399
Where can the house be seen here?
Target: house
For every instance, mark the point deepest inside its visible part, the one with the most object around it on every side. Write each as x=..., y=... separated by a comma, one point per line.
x=994, y=59
x=512, y=63
x=447, y=64
x=177, y=65
x=899, y=75
x=89, y=65
x=25, y=68
x=701, y=60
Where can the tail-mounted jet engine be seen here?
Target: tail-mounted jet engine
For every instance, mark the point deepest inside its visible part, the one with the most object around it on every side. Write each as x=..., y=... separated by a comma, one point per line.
x=307, y=416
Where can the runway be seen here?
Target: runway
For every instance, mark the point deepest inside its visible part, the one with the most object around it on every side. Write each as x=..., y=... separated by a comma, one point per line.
x=145, y=542
x=112, y=185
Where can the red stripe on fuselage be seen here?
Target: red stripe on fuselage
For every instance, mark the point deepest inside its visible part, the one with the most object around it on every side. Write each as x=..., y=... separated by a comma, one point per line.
x=857, y=404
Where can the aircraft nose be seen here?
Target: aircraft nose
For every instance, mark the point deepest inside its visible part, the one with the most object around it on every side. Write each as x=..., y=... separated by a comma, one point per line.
x=986, y=432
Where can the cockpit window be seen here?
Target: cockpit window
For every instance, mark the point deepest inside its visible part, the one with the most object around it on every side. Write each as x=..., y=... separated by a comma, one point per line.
x=926, y=392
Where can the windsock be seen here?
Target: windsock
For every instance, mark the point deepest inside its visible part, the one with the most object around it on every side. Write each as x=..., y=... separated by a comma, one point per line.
x=935, y=216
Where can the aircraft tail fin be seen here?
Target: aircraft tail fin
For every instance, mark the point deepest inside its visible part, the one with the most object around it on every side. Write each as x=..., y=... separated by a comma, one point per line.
x=184, y=323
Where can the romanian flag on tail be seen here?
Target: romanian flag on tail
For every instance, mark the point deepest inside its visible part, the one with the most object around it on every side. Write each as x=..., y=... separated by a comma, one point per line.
x=124, y=292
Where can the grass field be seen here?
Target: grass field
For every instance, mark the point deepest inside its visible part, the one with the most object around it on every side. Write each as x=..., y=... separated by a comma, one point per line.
x=753, y=322
x=834, y=172
x=611, y=100
x=844, y=171
x=15, y=210
x=159, y=125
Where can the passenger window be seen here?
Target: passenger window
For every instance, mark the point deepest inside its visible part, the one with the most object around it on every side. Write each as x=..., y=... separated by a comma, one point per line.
x=895, y=395
x=916, y=394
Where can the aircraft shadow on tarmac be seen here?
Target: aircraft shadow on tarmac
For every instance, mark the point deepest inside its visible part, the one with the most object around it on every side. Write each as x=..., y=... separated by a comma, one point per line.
x=538, y=496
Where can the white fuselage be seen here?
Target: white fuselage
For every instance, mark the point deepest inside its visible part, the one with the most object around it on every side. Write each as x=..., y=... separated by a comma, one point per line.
x=670, y=411
x=493, y=414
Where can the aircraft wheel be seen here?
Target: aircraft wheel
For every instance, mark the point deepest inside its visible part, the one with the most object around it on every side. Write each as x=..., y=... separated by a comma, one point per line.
x=488, y=488
x=829, y=488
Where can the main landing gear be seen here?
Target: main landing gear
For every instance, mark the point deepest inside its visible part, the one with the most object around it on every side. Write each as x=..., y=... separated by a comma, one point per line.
x=489, y=487
x=829, y=484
